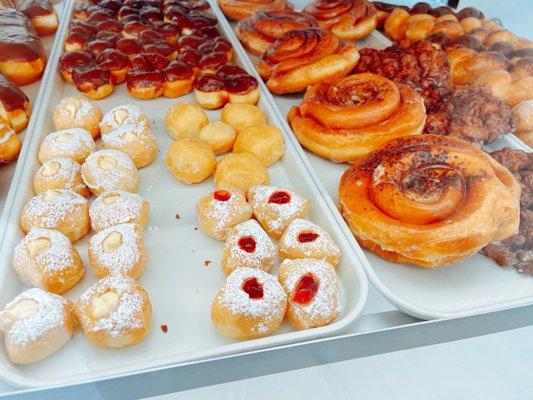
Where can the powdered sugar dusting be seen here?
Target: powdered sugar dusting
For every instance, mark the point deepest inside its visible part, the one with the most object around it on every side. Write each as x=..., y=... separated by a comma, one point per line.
x=108, y=179
x=48, y=214
x=79, y=141
x=68, y=172
x=83, y=108
x=125, y=208
x=134, y=117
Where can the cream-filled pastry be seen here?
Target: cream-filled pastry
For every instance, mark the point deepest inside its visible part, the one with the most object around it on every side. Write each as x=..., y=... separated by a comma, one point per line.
x=60, y=173
x=118, y=207
x=78, y=112
x=75, y=143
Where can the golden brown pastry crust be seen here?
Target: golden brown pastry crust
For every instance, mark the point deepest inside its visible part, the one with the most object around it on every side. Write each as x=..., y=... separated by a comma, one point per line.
x=241, y=9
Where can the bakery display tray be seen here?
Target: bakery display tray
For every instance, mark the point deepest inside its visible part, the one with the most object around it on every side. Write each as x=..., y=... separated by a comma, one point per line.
x=178, y=278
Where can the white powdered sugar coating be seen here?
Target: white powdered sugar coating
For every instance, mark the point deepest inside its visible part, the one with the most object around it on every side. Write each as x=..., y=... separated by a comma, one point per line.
x=50, y=314
x=127, y=315
x=48, y=214
x=108, y=179
x=67, y=172
x=237, y=301
x=326, y=302
x=222, y=213
x=80, y=142
x=264, y=248
x=322, y=247
x=125, y=208
x=275, y=216
x=134, y=118
x=83, y=108
x=122, y=259
x=56, y=258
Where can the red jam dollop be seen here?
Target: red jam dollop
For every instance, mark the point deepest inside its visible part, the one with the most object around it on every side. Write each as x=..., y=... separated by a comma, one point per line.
x=280, y=198
x=308, y=237
x=253, y=288
x=222, y=195
x=247, y=244
x=306, y=289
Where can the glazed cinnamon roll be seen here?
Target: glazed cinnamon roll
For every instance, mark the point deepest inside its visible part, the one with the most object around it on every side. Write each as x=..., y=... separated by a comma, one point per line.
x=305, y=57
x=241, y=9
x=429, y=200
x=347, y=19
x=262, y=29
x=347, y=118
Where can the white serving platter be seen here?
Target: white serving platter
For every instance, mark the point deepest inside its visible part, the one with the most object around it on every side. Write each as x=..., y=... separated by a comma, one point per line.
x=474, y=286
x=179, y=283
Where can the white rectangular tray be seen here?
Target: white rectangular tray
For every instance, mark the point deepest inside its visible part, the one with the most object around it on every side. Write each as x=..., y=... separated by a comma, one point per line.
x=474, y=286
x=180, y=286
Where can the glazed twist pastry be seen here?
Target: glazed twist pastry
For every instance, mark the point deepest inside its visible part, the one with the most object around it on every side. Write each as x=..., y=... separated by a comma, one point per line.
x=241, y=9
x=429, y=200
x=347, y=19
x=262, y=29
x=344, y=119
x=305, y=57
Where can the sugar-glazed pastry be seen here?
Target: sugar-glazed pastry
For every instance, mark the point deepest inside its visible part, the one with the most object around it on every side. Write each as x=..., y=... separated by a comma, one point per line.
x=240, y=171
x=240, y=116
x=60, y=209
x=46, y=259
x=75, y=143
x=114, y=312
x=10, y=143
x=275, y=208
x=191, y=160
x=185, y=120
x=36, y=324
x=138, y=142
x=251, y=303
x=118, y=207
x=60, y=173
x=118, y=249
x=304, y=239
x=219, y=135
x=221, y=210
x=248, y=246
x=263, y=141
x=125, y=114
x=312, y=288
x=110, y=170
x=78, y=112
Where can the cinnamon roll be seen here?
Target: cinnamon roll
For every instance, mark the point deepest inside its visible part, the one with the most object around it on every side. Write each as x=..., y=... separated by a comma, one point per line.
x=305, y=57
x=347, y=118
x=429, y=200
x=241, y=9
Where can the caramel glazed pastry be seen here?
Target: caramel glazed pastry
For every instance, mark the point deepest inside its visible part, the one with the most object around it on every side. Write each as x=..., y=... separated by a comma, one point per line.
x=429, y=200
x=241, y=9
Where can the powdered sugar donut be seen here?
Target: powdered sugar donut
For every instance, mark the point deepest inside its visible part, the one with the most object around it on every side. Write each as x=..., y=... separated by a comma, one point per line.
x=110, y=170
x=313, y=291
x=116, y=250
x=126, y=114
x=60, y=173
x=251, y=303
x=75, y=143
x=46, y=259
x=248, y=246
x=276, y=207
x=60, y=209
x=221, y=210
x=78, y=112
x=36, y=325
x=114, y=312
x=304, y=239
x=118, y=207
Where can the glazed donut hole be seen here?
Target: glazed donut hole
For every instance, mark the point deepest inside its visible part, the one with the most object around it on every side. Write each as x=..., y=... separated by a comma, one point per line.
x=263, y=141
x=240, y=171
x=60, y=173
x=185, y=120
x=110, y=170
x=78, y=112
x=219, y=135
x=240, y=116
x=118, y=207
x=74, y=143
x=122, y=115
x=191, y=160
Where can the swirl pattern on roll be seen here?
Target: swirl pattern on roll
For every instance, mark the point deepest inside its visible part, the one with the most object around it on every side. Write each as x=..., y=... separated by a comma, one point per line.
x=262, y=29
x=429, y=200
x=346, y=118
x=304, y=57
x=347, y=19
x=241, y=9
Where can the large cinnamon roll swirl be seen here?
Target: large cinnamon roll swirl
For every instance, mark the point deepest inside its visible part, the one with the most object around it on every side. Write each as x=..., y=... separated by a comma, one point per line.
x=241, y=9
x=305, y=57
x=347, y=19
x=429, y=200
x=347, y=118
x=262, y=29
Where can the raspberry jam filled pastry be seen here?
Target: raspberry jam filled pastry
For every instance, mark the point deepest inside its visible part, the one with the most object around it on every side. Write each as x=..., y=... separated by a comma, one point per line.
x=46, y=259
x=114, y=312
x=251, y=303
x=313, y=292
x=220, y=211
x=36, y=324
x=275, y=208
x=75, y=143
x=117, y=207
x=304, y=239
x=60, y=173
x=248, y=246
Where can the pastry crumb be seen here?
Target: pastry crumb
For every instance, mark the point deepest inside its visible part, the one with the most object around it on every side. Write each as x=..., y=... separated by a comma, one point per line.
x=178, y=216
x=207, y=263
x=164, y=328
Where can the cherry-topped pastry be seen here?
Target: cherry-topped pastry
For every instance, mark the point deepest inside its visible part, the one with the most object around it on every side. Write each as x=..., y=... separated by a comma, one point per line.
x=275, y=208
x=248, y=245
x=312, y=287
x=251, y=303
x=221, y=210
x=304, y=239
